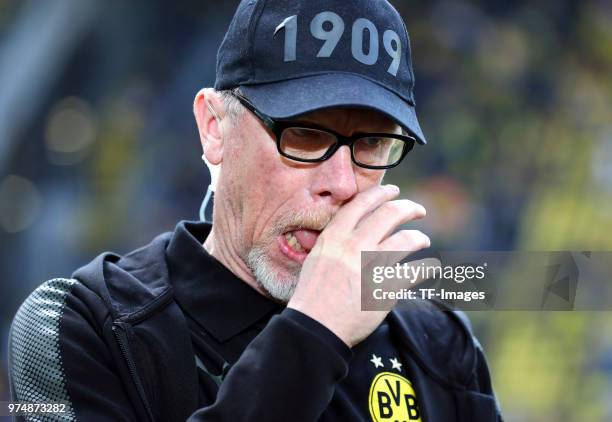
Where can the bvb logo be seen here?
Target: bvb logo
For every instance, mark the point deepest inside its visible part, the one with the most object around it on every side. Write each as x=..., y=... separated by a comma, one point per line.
x=392, y=398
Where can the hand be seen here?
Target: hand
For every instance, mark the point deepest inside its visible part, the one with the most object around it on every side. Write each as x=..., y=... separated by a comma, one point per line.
x=329, y=288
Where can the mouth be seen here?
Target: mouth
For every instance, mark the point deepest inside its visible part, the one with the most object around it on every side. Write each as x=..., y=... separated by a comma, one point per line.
x=296, y=244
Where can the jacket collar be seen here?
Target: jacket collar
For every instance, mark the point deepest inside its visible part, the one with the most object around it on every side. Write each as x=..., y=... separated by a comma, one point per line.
x=211, y=294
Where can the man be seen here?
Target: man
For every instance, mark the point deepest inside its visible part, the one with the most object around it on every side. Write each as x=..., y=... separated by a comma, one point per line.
x=257, y=317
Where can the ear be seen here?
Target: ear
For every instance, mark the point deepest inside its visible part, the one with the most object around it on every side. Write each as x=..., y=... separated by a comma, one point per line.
x=209, y=124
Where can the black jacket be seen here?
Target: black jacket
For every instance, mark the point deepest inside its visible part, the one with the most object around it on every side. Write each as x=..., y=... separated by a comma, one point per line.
x=113, y=343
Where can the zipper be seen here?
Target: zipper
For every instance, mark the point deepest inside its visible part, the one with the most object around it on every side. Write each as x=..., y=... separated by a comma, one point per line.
x=121, y=335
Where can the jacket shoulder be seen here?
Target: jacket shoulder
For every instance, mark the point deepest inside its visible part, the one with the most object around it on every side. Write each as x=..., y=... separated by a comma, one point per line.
x=440, y=339
x=35, y=366
x=131, y=283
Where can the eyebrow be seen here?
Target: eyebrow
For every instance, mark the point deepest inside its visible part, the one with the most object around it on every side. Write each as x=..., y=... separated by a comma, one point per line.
x=308, y=121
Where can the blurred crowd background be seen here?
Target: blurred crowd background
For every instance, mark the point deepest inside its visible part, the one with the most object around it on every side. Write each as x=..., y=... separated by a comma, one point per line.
x=99, y=151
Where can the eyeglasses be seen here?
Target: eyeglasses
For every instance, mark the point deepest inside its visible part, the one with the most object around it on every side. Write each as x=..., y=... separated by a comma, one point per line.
x=309, y=143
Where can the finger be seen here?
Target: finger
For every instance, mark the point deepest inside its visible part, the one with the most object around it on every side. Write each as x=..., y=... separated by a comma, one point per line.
x=405, y=240
x=381, y=222
x=363, y=203
x=396, y=248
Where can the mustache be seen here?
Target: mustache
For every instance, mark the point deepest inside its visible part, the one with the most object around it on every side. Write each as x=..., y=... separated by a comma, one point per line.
x=313, y=219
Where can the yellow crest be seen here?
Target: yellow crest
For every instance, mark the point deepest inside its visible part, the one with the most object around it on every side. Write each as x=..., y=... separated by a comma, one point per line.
x=392, y=398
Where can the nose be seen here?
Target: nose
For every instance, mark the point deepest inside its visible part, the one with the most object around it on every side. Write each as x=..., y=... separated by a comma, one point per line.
x=336, y=177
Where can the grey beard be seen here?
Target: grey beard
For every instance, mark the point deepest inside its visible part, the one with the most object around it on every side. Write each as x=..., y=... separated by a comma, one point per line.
x=277, y=287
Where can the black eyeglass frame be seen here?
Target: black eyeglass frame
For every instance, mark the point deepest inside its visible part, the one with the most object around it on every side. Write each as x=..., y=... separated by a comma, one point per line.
x=277, y=127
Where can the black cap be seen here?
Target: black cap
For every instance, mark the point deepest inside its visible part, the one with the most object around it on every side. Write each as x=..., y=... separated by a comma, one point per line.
x=291, y=57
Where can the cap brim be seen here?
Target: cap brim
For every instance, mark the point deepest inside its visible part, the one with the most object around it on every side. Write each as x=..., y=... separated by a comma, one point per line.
x=291, y=98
